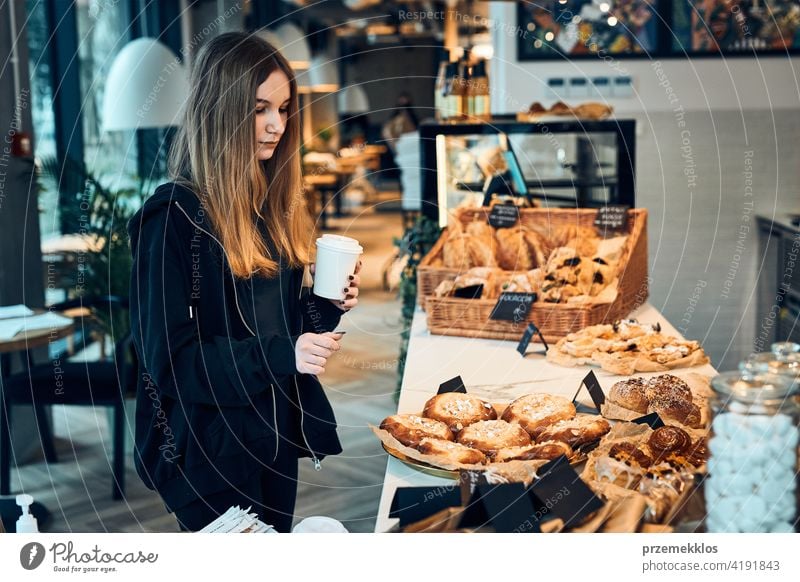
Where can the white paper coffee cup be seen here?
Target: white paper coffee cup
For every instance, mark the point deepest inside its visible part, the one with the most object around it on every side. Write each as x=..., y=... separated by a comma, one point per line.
x=337, y=257
x=319, y=524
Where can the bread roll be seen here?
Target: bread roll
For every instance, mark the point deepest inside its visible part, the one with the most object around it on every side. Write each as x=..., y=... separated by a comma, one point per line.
x=668, y=386
x=547, y=451
x=534, y=412
x=575, y=432
x=454, y=452
x=489, y=436
x=410, y=429
x=670, y=407
x=458, y=410
x=630, y=394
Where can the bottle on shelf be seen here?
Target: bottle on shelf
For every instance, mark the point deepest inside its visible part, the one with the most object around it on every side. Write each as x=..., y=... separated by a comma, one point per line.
x=439, y=94
x=467, y=92
x=481, y=101
x=452, y=97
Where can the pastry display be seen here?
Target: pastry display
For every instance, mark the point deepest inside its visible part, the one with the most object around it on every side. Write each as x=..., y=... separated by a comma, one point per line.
x=457, y=430
x=575, y=432
x=410, y=429
x=454, y=452
x=568, y=263
x=535, y=412
x=458, y=410
x=657, y=464
x=591, y=110
x=489, y=436
x=626, y=347
x=667, y=395
x=547, y=450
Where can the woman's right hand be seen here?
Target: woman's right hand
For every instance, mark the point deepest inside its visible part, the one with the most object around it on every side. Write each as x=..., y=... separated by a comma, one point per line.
x=312, y=350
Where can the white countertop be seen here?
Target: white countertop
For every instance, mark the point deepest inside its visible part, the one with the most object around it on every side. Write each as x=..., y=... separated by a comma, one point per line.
x=490, y=369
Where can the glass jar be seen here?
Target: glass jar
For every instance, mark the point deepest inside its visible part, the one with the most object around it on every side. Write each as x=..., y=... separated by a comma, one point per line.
x=752, y=482
x=783, y=359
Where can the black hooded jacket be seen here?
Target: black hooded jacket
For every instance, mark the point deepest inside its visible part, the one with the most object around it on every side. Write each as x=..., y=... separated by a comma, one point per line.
x=207, y=382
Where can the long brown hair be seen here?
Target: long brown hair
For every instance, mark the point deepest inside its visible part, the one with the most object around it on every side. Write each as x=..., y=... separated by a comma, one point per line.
x=214, y=153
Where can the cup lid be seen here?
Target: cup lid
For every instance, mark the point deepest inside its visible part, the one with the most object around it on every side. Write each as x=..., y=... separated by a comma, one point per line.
x=319, y=524
x=340, y=243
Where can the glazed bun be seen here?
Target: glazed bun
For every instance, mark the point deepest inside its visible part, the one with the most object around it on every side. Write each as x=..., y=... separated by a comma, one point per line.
x=410, y=429
x=458, y=410
x=489, y=436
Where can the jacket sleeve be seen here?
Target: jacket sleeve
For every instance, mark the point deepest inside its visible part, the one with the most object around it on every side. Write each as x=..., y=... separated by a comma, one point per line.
x=215, y=371
x=319, y=314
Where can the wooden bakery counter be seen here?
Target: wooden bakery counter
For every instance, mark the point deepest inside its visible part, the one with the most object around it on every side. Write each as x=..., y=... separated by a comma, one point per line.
x=491, y=370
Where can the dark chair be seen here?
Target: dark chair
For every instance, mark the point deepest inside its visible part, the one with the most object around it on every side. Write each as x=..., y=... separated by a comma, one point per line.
x=94, y=383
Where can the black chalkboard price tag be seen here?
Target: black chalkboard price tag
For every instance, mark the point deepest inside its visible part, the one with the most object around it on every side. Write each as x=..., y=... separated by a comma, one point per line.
x=513, y=307
x=470, y=292
x=413, y=504
x=653, y=420
x=594, y=388
x=504, y=215
x=530, y=331
x=562, y=493
x=507, y=507
x=612, y=217
x=453, y=385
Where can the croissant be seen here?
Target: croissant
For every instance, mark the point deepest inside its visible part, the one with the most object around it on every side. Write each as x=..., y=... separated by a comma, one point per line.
x=593, y=110
x=537, y=247
x=455, y=252
x=480, y=254
x=480, y=229
x=512, y=250
x=583, y=239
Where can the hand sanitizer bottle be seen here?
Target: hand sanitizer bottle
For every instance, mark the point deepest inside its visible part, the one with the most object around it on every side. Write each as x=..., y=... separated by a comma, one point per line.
x=26, y=522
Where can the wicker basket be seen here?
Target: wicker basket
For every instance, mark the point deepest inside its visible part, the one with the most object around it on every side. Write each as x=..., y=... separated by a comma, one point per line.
x=470, y=317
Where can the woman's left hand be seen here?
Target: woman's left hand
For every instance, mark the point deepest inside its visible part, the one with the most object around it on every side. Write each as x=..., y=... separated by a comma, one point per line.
x=351, y=292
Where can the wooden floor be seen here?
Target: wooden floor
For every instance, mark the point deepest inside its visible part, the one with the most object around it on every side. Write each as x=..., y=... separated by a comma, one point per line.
x=360, y=382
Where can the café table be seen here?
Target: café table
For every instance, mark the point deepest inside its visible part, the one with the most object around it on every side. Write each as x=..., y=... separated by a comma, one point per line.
x=23, y=344
x=490, y=369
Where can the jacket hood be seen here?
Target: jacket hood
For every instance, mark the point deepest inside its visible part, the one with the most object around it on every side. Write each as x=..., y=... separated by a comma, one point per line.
x=161, y=199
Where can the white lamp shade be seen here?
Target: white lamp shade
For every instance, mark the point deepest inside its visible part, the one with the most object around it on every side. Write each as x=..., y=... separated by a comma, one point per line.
x=294, y=46
x=353, y=99
x=323, y=76
x=146, y=87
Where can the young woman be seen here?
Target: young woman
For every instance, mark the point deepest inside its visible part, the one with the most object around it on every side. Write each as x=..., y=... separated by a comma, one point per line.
x=229, y=339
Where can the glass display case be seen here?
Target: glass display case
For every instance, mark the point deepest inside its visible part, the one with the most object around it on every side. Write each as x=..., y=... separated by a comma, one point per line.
x=571, y=163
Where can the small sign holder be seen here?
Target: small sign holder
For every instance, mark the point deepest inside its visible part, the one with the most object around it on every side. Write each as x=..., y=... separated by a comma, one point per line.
x=653, y=420
x=595, y=391
x=453, y=385
x=530, y=331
